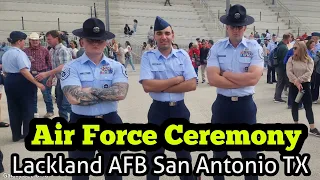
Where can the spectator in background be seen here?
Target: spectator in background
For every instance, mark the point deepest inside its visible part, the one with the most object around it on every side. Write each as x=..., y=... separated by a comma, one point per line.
x=40, y=62
x=204, y=50
x=144, y=47
x=4, y=47
x=268, y=35
x=167, y=1
x=291, y=41
x=74, y=49
x=194, y=54
x=135, y=25
x=150, y=35
x=175, y=46
x=304, y=36
x=121, y=55
x=150, y=46
x=127, y=30
x=64, y=37
x=299, y=69
x=282, y=78
x=129, y=56
x=114, y=49
x=81, y=50
x=310, y=48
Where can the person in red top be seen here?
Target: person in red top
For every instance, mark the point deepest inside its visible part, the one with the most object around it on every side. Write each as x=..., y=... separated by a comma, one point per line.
x=194, y=54
x=40, y=62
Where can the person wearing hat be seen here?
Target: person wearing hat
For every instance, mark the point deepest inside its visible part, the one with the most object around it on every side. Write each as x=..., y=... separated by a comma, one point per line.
x=94, y=83
x=235, y=65
x=40, y=62
x=60, y=55
x=20, y=86
x=166, y=74
x=315, y=37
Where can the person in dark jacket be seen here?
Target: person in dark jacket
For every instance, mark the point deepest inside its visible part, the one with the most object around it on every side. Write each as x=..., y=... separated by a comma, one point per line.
x=280, y=68
x=1, y=160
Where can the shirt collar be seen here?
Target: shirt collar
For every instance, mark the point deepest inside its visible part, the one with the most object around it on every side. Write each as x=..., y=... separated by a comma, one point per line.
x=85, y=58
x=58, y=46
x=243, y=42
x=173, y=53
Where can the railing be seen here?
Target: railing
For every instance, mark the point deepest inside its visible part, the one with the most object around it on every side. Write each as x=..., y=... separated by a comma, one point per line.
x=211, y=15
x=291, y=17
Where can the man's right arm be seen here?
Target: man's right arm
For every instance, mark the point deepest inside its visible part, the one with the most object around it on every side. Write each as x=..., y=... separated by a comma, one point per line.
x=148, y=81
x=214, y=72
x=157, y=85
x=216, y=80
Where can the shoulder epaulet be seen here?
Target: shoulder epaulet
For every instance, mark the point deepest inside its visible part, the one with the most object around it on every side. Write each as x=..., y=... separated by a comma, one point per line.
x=183, y=52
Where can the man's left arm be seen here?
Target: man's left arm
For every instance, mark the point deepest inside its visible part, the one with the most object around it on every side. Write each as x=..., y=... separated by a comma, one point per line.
x=190, y=83
x=255, y=70
x=119, y=89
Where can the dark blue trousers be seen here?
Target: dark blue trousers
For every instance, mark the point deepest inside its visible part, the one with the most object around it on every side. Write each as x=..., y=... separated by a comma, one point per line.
x=20, y=96
x=225, y=111
x=111, y=118
x=1, y=162
x=158, y=113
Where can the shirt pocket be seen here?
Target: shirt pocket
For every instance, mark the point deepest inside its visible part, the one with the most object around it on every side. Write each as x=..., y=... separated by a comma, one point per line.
x=106, y=80
x=178, y=69
x=223, y=63
x=158, y=71
x=86, y=80
x=244, y=63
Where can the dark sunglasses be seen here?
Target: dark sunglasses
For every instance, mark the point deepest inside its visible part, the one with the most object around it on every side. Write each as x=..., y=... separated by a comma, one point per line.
x=91, y=41
x=236, y=27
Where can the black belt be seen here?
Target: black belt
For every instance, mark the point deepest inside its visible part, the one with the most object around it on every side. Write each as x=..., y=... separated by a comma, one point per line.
x=234, y=98
x=98, y=116
x=170, y=103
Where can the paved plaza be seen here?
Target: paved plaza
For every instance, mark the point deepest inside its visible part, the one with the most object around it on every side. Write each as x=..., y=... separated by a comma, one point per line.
x=135, y=107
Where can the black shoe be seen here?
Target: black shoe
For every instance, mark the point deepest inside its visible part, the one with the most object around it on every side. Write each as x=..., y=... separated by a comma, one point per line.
x=16, y=139
x=274, y=81
x=315, y=132
x=279, y=100
x=269, y=82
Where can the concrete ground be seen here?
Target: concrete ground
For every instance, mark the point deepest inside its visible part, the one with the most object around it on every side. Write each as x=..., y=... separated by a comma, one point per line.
x=134, y=110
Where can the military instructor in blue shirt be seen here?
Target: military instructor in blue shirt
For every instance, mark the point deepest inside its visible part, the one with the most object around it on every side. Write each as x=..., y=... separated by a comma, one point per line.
x=93, y=84
x=235, y=66
x=166, y=74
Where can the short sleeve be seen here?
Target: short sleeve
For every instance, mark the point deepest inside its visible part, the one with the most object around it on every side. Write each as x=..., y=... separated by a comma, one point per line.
x=69, y=76
x=145, y=69
x=23, y=61
x=257, y=58
x=120, y=74
x=213, y=57
x=189, y=71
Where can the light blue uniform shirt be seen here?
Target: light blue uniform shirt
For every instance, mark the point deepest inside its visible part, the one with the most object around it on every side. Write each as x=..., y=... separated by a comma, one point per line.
x=84, y=73
x=271, y=46
x=14, y=60
x=317, y=48
x=238, y=60
x=155, y=66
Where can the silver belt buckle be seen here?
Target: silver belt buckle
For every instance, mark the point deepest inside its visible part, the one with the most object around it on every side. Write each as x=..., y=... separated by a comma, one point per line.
x=100, y=116
x=234, y=98
x=172, y=103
